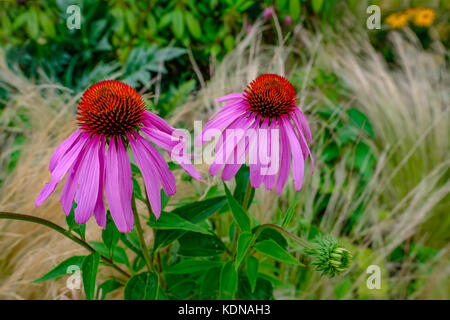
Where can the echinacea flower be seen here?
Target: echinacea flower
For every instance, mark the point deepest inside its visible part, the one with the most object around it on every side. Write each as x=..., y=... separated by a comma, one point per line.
x=112, y=115
x=397, y=20
x=270, y=129
x=424, y=17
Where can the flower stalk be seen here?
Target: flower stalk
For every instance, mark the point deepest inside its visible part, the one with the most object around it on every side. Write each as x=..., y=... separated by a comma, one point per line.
x=64, y=232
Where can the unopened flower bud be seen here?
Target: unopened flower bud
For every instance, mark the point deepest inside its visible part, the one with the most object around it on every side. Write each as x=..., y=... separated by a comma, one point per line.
x=330, y=256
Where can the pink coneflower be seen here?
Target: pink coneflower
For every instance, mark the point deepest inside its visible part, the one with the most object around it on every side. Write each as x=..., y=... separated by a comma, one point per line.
x=112, y=115
x=270, y=124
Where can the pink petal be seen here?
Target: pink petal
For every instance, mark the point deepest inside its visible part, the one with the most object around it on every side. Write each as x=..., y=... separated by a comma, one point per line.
x=99, y=210
x=241, y=151
x=62, y=149
x=118, y=185
x=151, y=177
x=298, y=163
x=255, y=163
x=269, y=177
x=226, y=144
x=285, y=161
x=160, y=138
x=303, y=123
x=151, y=119
x=230, y=97
x=61, y=169
x=86, y=195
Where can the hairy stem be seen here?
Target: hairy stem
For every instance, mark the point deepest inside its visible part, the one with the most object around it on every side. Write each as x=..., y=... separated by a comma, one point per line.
x=64, y=232
x=140, y=233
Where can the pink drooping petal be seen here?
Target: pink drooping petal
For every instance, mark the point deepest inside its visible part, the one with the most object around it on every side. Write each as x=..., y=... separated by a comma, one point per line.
x=86, y=195
x=99, y=210
x=160, y=138
x=256, y=177
x=71, y=185
x=303, y=123
x=151, y=119
x=154, y=159
x=270, y=177
x=151, y=176
x=62, y=149
x=298, y=162
x=61, y=169
x=241, y=151
x=220, y=123
x=230, y=105
x=227, y=142
x=285, y=160
x=303, y=144
x=231, y=96
x=118, y=185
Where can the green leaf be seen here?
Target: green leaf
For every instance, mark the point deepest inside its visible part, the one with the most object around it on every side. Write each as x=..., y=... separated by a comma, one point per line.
x=194, y=212
x=194, y=244
x=46, y=24
x=190, y=266
x=252, y=272
x=177, y=23
x=242, y=179
x=193, y=25
x=107, y=287
x=273, y=250
x=171, y=221
x=61, y=269
x=143, y=286
x=32, y=25
x=289, y=214
x=210, y=283
x=294, y=9
x=360, y=120
x=119, y=255
x=317, y=5
x=330, y=152
x=280, y=4
x=228, y=281
x=244, y=242
x=79, y=229
x=89, y=269
x=271, y=234
x=240, y=216
x=110, y=235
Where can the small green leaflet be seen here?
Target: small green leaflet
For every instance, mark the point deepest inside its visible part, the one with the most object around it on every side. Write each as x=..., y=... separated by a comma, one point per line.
x=89, y=269
x=244, y=242
x=62, y=269
x=228, y=281
x=252, y=272
x=240, y=216
x=190, y=266
x=171, y=221
x=143, y=286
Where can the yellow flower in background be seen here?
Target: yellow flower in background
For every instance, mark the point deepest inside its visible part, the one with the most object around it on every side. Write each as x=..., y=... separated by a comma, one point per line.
x=397, y=20
x=424, y=17
x=411, y=12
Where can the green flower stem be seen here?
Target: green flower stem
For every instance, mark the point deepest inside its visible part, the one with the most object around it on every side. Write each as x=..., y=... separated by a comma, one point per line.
x=248, y=192
x=64, y=232
x=299, y=240
x=140, y=233
x=245, y=203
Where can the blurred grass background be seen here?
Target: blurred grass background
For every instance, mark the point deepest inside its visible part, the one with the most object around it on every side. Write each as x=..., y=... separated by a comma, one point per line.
x=377, y=102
